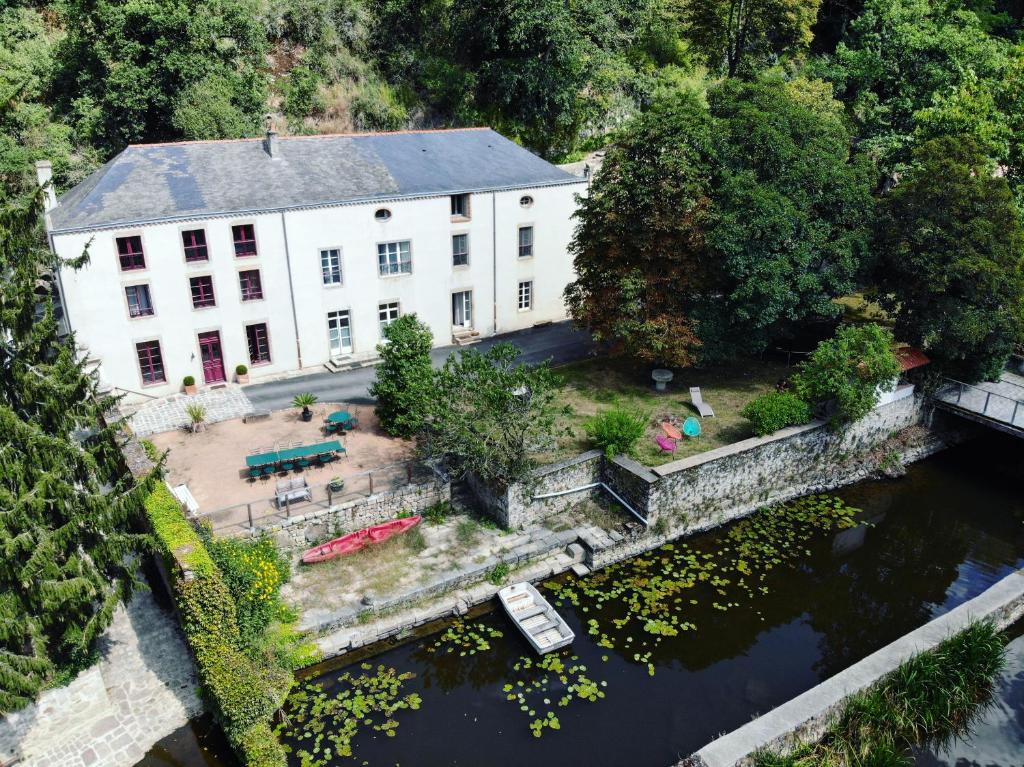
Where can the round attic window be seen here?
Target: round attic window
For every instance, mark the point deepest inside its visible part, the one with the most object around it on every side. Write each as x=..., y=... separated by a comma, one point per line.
x=526, y=201
x=382, y=214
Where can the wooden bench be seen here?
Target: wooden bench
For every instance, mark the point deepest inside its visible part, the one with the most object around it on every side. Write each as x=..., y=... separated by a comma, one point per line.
x=291, y=490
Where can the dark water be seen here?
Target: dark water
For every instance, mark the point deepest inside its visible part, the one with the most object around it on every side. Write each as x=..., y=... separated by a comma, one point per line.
x=939, y=536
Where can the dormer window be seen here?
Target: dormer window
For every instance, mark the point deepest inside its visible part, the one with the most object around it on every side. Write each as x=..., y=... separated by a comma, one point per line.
x=129, y=253
x=382, y=214
x=244, y=236
x=460, y=206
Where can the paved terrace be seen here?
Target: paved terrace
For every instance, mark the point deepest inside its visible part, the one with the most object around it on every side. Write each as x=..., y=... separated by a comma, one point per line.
x=212, y=462
x=999, y=404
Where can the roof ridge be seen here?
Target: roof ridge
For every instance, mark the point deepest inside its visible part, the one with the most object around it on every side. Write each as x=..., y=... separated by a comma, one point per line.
x=310, y=136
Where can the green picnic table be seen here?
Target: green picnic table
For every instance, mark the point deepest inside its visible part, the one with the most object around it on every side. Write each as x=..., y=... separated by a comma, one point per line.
x=293, y=453
x=339, y=416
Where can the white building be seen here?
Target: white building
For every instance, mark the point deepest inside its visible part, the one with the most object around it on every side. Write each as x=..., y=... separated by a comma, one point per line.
x=287, y=253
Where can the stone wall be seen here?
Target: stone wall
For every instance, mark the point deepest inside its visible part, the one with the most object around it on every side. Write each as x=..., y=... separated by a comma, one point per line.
x=705, y=490
x=709, y=489
x=302, y=530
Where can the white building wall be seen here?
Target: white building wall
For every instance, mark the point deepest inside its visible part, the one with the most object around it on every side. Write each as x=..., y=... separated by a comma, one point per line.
x=97, y=309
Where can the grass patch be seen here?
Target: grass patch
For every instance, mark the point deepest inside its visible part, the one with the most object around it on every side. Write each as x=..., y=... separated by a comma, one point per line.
x=928, y=701
x=595, y=385
x=467, y=532
x=414, y=540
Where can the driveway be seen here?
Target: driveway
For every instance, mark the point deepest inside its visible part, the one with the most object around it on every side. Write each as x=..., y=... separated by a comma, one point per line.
x=559, y=343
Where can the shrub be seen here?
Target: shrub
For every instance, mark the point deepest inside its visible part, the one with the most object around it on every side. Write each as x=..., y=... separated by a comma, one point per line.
x=776, y=410
x=241, y=370
x=499, y=574
x=405, y=376
x=196, y=412
x=243, y=693
x=436, y=513
x=617, y=430
x=847, y=370
x=189, y=381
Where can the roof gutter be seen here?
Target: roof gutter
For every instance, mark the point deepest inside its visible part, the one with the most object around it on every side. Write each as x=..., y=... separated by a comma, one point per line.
x=569, y=181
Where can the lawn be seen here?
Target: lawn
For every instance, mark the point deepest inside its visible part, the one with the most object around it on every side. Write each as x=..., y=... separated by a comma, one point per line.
x=604, y=383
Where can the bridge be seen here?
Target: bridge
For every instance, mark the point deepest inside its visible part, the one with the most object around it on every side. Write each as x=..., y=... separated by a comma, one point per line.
x=999, y=404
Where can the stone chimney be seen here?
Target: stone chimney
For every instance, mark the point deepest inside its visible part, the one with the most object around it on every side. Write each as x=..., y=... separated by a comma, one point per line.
x=270, y=144
x=44, y=175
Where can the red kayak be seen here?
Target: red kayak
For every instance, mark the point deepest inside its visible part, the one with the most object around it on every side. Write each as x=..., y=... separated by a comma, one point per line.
x=353, y=542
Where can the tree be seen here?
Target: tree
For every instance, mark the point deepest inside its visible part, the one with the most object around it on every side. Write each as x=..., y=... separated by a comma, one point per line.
x=844, y=373
x=65, y=527
x=713, y=228
x=405, y=376
x=639, y=249
x=727, y=32
x=132, y=71
x=950, y=249
x=902, y=55
x=489, y=415
x=790, y=223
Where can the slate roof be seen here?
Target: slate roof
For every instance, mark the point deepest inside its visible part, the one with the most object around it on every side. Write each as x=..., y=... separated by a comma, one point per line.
x=156, y=182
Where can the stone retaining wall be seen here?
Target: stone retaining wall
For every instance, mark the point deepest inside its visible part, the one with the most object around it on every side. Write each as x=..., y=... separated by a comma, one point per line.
x=709, y=489
x=805, y=719
x=302, y=530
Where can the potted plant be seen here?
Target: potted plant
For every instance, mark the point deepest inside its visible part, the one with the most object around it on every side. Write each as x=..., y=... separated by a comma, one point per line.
x=189, y=382
x=337, y=484
x=197, y=413
x=242, y=374
x=305, y=401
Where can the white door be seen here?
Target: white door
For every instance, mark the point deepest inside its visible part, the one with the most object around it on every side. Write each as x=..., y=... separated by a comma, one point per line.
x=462, y=309
x=339, y=333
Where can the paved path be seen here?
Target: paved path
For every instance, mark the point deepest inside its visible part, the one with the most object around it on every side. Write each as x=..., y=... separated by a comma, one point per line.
x=169, y=414
x=144, y=688
x=559, y=343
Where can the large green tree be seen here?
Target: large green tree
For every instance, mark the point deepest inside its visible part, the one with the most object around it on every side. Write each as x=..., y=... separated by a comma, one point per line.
x=639, y=248
x=152, y=70
x=917, y=65
x=792, y=210
x=712, y=228
x=950, y=254
x=740, y=35
x=66, y=549
x=405, y=376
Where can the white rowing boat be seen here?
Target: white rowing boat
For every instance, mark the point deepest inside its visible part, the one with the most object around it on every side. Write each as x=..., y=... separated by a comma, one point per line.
x=543, y=628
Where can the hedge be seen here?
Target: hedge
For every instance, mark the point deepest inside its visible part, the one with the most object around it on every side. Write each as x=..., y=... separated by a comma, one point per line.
x=243, y=694
x=776, y=410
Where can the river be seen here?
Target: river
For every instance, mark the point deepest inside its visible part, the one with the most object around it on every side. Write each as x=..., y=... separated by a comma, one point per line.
x=930, y=541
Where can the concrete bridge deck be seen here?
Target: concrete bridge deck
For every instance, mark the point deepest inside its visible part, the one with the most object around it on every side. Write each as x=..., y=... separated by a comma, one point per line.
x=999, y=404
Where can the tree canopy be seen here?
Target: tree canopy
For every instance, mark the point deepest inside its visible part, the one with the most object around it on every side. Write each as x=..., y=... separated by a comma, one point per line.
x=404, y=381
x=950, y=255
x=713, y=226
x=65, y=530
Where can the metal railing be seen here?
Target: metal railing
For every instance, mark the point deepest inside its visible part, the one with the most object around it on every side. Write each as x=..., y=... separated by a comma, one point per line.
x=266, y=512
x=982, y=401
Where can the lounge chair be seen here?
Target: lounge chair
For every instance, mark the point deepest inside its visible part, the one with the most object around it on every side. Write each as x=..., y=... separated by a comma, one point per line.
x=698, y=402
x=666, y=444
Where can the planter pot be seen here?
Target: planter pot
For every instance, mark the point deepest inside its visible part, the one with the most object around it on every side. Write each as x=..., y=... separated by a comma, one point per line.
x=307, y=414
x=242, y=379
x=337, y=485
x=190, y=390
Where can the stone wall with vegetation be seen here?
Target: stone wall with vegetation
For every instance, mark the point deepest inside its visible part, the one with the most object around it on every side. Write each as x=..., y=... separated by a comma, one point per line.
x=709, y=489
x=303, y=530
x=705, y=490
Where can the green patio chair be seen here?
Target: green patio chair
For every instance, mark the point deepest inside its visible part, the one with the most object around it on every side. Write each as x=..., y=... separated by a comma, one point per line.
x=304, y=463
x=268, y=472
x=325, y=458
x=255, y=472
x=287, y=466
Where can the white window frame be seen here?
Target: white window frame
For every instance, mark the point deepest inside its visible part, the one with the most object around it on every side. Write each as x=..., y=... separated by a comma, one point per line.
x=525, y=295
x=351, y=336
x=329, y=271
x=519, y=241
x=384, y=312
x=465, y=254
x=390, y=262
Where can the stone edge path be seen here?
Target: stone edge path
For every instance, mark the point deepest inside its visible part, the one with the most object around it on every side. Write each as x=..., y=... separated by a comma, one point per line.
x=144, y=688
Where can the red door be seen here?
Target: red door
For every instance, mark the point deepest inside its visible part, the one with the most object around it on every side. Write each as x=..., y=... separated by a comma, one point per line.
x=213, y=359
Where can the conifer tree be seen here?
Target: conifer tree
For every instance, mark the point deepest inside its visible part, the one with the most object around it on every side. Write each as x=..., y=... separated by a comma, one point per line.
x=67, y=550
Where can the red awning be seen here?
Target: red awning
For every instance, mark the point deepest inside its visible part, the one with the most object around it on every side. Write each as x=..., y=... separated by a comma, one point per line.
x=910, y=358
